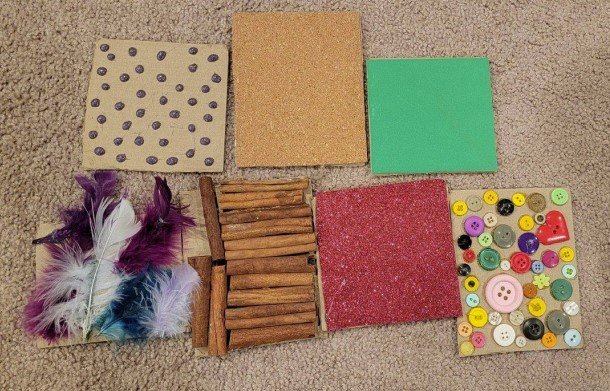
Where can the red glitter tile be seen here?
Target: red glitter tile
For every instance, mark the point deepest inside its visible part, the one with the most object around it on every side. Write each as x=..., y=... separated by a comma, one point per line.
x=386, y=254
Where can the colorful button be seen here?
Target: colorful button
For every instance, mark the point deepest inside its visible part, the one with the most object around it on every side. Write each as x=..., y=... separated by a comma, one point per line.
x=474, y=203
x=550, y=259
x=526, y=222
x=494, y=318
x=536, y=307
x=529, y=290
x=539, y=218
x=536, y=202
x=528, y=243
x=559, y=196
x=485, y=239
x=478, y=339
x=572, y=338
x=490, y=197
x=568, y=271
x=520, y=262
x=471, y=283
x=460, y=208
x=469, y=256
x=516, y=317
x=466, y=348
x=558, y=322
x=504, y=335
x=503, y=293
x=472, y=300
x=533, y=329
x=520, y=341
x=566, y=254
x=464, y=242
x=505, y=207
x=518, y=199
x=474, y=226
x=541, y=281
x=505, y=265
x=554, y=230
x=490, y=219
x=571, y=308
x=537, y=267
x=463, y=269
x=549, y=339
x=504, y=236
x=477, y=317
x=465, y=329
x=489, y=259
x=561, y=289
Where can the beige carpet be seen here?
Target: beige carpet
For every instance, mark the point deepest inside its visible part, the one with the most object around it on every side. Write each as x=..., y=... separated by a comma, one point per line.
x=550, y=63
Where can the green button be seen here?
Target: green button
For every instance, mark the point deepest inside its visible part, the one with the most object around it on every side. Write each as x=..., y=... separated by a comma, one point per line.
x=569, y=271
x=474, y=203
x=559, y=196
x=485, y=239
x=489, y=259
x=504, y=236
x=561, y=289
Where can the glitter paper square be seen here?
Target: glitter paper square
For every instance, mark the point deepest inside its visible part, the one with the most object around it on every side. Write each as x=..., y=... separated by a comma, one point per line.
x=156, y=106
x=386, y=254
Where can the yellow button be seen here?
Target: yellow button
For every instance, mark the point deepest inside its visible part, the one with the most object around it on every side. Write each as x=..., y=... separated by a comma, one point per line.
x=466, y=348
x=490, y=197
x=477, y=317
x=566, y=254
x=460, y=208
x=465, y=329
x=549, y=339
x=519, y=199
x=537, y=307
x=471, y=283
x=526, y=222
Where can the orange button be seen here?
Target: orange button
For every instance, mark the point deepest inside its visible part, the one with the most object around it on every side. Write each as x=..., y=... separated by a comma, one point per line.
x=465, y=329
x=529, y=290
x=549, y=339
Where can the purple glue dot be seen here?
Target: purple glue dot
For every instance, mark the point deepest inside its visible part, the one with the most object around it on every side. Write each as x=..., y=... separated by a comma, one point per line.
x=205, y=140
x=193, y=67
x=132, y=51
x=140, y=93
x=139, y=68
x=190, y=153
x=92, y=134
x=213, y=57
x=152, y=160
x=192, y=128
x=104, y=47
x=138, y=140
x=174, y=114
x=110, y=57
x=205, y=89
x=124, y=77
x=99, y=151
x=213, y=105
x=101, y=71
x=119, y=106
x=216, y=78
x=163, y=142
x=208, y=161
x=207, y=118
x=156, y=125
x=140, y=113
x=163, y=100
x=193, y=50
x=171, y=160
x=101, y=119
x=126, y=125
x=161, y=55
x=105, y=86
x=192, y=101
x=161, y=77
x=121, y=157
x=179, y=87
x=95, y=102
x=118, y=141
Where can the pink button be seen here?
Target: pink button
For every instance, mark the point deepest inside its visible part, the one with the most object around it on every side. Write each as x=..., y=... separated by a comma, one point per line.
x=478, y=339
x=504, y=293
x=550, y=258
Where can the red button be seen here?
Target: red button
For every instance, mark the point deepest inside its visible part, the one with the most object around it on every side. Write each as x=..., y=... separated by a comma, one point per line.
x=469, y=255
x=520, y=262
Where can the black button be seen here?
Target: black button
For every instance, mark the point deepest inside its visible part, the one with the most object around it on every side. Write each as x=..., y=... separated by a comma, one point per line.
x=505, y=207
x=533, y=329
x=463, y=269
x=464, y=242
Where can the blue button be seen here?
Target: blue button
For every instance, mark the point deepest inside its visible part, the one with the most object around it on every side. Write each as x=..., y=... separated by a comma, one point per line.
x=537, y=267
x=572, y=338
x=472, y=300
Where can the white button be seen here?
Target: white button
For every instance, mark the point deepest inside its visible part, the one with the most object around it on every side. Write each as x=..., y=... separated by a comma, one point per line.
x=571, y=308
x=490, y=219
x=494, y=318
x=521, y=341
x=504, y=335
x=505, y=265
x=516, y=317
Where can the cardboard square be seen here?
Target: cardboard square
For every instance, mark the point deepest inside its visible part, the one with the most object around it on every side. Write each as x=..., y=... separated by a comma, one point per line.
x=386, y=254
x=182, y=90
x=430, y=115
x=484, y=276
x=299, y=98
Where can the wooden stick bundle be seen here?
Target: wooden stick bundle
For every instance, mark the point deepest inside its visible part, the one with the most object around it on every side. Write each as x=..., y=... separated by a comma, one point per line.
x=290, y=264
x=274, y=334
x=201, y=301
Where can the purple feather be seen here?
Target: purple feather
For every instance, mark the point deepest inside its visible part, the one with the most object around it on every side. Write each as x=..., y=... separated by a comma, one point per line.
x=159, y=241
x=76, y=226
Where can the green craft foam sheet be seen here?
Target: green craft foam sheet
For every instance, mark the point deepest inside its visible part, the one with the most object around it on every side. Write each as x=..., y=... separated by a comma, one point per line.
x=430, y=115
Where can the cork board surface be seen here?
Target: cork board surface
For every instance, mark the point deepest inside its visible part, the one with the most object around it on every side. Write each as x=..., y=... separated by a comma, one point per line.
x=299, y=96
x=484, y=276
x=156, y=106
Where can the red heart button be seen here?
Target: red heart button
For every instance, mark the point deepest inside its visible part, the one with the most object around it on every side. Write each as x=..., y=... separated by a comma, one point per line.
x=554, y=230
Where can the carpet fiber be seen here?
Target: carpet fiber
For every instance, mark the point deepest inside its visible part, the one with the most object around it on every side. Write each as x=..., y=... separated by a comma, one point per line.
x=550, y=66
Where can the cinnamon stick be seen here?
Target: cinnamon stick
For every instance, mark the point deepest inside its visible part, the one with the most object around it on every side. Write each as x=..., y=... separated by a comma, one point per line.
x=262, y=203
x=267, y=231
x=292, y=294
x=266, y=335
x=210, y=213
x=300, y=184
x=201, y=301
x=270, y=252
x=250, y=281
x=259, y=182
x=277, y=320
x=217, y=342
x=301, y=221
x=291, y=264
x=282, y=212
x=263, y=311
x=270, y=242
x=258, y=195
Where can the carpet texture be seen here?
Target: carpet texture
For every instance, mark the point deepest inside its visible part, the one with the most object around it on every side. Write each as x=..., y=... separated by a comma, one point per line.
x=550, y=65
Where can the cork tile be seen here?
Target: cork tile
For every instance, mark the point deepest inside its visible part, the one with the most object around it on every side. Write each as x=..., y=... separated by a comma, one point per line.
x=156, y=106
x=298, y=89
x=518, y=270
